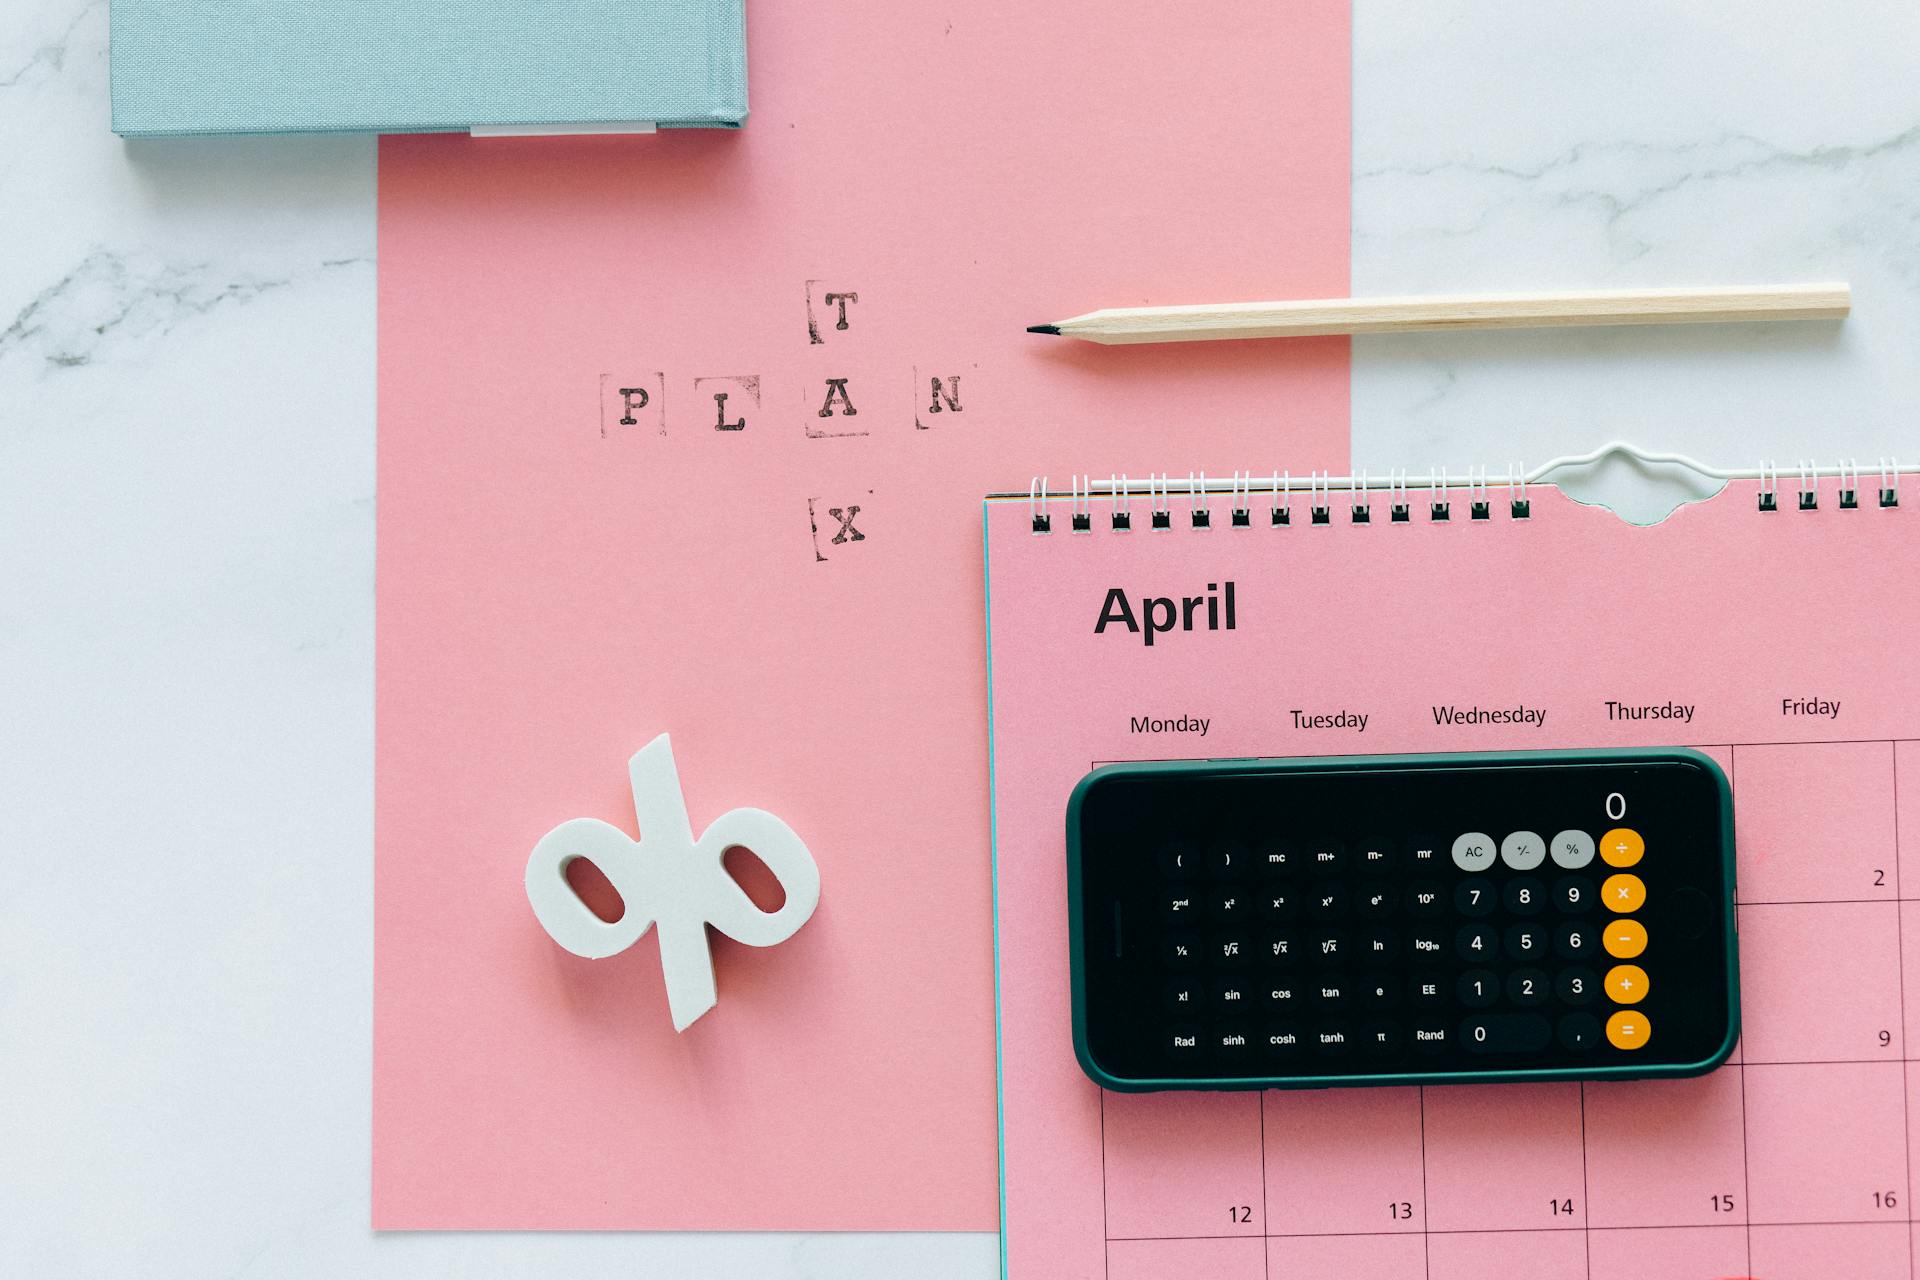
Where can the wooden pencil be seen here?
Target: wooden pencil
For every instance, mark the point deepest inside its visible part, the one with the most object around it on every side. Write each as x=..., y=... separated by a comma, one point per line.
x=1300, y=319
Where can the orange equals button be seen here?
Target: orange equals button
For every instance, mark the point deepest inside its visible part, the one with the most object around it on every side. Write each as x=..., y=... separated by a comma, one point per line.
x=1629, y=1029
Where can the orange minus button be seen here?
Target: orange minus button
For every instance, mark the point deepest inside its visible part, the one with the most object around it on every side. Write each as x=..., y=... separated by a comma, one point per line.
x=1623, y=892
x=1625, y=938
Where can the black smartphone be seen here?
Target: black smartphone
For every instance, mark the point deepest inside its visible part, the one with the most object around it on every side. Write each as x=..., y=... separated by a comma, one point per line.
x=1311, y=922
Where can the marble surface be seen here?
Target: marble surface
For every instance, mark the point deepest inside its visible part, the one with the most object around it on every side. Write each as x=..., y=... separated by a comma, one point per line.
x=1591, y=144
x=187, y=520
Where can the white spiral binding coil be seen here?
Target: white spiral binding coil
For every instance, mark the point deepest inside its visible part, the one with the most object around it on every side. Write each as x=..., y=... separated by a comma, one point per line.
x=1240, y=513
x=1399, y=504
x=1159, y=505
x=1440, y=491
x=1479, y=495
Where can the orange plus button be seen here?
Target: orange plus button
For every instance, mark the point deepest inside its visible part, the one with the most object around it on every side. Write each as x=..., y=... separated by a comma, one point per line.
x=1626, y=984
x=1625, y=938
x=1623, y=892
x=1629, y=1029
x=1622, y=847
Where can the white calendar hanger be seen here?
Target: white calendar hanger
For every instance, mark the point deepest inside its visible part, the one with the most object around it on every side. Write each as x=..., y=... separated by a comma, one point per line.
x=1765, y=471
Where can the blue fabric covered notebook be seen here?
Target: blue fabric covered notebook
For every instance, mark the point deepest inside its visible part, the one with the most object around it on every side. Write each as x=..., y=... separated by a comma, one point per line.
x=422, y=66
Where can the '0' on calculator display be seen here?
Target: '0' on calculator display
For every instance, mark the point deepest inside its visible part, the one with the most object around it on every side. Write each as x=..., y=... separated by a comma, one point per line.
x=1398, y=919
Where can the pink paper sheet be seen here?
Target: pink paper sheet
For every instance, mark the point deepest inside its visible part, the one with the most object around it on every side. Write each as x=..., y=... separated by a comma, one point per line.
x=557, y=585
x=1793, y=1163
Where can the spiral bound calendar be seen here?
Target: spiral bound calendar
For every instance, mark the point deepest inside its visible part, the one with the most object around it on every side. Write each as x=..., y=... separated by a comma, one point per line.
x=1771, y=626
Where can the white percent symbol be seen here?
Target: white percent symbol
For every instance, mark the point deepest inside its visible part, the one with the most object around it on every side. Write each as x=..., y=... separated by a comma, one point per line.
x=670, y=878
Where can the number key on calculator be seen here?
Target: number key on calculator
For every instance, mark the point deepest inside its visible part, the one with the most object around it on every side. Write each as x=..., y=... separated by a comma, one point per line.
x=1397, y=919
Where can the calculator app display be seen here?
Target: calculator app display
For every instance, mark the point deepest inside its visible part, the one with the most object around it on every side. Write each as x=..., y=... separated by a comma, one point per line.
x=1546, y=915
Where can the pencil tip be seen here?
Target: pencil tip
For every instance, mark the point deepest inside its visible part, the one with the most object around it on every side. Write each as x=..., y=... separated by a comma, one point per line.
x=1043, y=328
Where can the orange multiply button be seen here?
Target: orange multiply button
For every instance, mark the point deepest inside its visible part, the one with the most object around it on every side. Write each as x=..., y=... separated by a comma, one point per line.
x=1623, y=892
x=1622, y=847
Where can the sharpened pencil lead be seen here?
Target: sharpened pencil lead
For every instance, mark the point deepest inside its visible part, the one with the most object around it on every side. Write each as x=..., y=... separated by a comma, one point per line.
x=1043, y=328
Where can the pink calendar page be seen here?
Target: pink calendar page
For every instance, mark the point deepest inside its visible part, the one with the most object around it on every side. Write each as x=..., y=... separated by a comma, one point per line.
x=686, y=434
x=1781, y=643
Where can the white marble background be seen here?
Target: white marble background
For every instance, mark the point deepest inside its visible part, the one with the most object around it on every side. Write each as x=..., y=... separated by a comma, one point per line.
x=186, y=551
x=1500, y=145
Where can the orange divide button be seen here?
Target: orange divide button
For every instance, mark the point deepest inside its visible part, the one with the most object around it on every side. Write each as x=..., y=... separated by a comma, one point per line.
x=1622, y=847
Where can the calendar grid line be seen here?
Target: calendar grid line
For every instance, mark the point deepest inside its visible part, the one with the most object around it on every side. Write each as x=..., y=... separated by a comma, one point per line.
x=1746, y=1176
x=1820, y=902
x=1900, y=954
x=1266, y=1217
x=1789, y=742
x=1106, y=1231
x=1821, y=742
x=1746, y=1179
x=1515, y=1231
x=1827, y=1062
x=1586, y=1205
x=1426, y=1222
